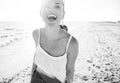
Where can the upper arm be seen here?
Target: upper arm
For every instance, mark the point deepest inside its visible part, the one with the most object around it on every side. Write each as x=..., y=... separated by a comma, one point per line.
x=35, y=36
x=72, y=54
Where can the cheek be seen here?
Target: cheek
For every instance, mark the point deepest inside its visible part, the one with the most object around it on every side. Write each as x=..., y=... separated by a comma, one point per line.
x=61, y=14
x=43, y=13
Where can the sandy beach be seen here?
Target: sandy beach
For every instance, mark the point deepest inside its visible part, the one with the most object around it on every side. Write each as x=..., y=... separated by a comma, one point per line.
x=98, y=60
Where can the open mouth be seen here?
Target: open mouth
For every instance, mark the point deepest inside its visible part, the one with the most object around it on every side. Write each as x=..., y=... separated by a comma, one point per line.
x=52, y=17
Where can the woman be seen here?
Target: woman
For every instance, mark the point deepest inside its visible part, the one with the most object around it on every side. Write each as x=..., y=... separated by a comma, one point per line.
x=56, y=50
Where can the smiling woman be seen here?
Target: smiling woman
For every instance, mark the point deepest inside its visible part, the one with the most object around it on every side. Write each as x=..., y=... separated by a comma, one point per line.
x=56, y=50
x=56, y=13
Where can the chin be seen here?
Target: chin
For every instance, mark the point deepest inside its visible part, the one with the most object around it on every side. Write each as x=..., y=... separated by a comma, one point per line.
x=51, y=22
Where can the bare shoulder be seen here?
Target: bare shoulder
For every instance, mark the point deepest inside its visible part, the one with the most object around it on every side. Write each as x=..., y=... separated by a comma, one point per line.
x=73, y=47
x=35, y=34
x=72, y=53
x=74, y=42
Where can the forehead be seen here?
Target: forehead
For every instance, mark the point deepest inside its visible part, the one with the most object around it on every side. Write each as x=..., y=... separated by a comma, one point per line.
x=52, y=2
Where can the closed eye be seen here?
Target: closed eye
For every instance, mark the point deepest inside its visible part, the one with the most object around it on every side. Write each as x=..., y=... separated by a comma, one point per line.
x=57, y=7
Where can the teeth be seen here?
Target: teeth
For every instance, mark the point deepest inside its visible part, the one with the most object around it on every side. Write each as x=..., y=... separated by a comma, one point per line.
x=52, y=17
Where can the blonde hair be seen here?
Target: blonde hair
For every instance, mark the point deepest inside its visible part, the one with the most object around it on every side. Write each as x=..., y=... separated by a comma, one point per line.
x=45, y=1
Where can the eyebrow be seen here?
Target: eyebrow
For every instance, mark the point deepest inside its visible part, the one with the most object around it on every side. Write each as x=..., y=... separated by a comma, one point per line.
x=57, y=3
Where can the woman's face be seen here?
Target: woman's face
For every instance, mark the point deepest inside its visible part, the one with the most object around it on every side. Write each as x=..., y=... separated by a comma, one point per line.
x=52, y=11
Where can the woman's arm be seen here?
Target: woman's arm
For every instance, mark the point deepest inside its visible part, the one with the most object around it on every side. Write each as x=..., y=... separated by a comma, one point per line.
x=35, y=37
x=71, y=58
x=34, y=66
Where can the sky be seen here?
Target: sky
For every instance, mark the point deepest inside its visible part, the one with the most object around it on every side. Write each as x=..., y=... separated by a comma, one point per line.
x=75, y=10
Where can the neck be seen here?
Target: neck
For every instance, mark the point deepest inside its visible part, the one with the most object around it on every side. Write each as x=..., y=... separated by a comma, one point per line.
x=52, y=29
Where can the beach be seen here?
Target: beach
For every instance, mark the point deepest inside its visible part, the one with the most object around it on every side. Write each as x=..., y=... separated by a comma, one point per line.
x=98, y=60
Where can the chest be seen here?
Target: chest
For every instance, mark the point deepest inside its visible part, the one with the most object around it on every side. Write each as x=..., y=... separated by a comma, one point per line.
x=53, y=47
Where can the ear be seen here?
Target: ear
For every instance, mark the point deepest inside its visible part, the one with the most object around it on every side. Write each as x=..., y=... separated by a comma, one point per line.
x=63, y=14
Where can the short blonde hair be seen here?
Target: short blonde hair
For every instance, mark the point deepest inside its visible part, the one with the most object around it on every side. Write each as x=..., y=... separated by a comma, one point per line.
x=46, y=1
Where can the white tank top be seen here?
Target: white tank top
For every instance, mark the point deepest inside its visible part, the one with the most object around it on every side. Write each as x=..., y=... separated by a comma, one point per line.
x=50, y=65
